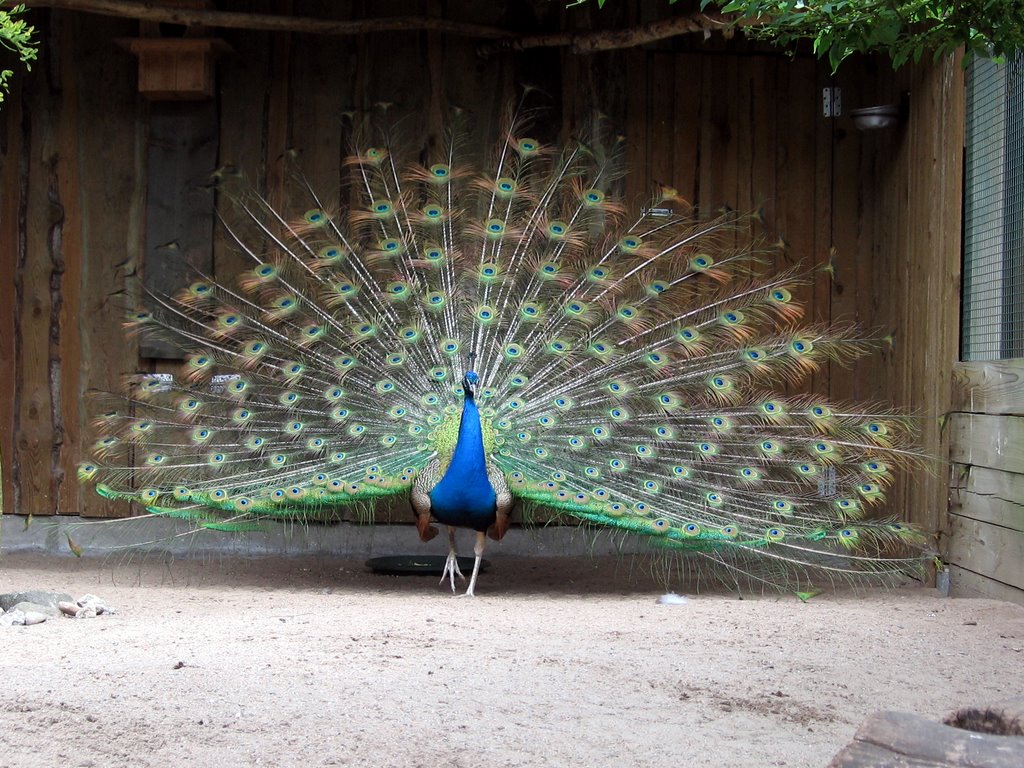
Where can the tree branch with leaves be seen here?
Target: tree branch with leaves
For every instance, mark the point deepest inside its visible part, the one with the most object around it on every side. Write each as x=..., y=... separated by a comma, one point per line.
x=905, y=29
x=16, y=35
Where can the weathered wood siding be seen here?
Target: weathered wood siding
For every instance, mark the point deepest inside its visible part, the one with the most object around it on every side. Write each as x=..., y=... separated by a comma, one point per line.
x=725, y=125
x=985, y=535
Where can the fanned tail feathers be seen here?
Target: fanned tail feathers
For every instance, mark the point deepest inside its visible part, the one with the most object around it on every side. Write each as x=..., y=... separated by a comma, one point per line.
x=629, y=367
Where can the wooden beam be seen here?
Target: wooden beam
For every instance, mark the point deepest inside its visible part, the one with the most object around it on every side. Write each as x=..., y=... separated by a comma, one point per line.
x=903, y=740
x=992, y=387
x=989, y=550
x=988, y=441
x=150, y=11
x=589, y=42
x=989, y=495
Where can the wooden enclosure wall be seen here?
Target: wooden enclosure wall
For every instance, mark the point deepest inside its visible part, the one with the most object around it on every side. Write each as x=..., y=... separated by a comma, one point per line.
x=985, y=551
x=901, y=222
x=724, y=126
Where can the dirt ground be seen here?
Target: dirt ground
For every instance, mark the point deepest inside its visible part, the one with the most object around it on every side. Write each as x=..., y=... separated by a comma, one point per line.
x=557, y=661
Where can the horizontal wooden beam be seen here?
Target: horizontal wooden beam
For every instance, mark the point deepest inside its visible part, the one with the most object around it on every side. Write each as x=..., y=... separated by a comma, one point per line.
x=989, y=495
x=992, y=387
x=987, y=441
x=986, y=549
x=505, y=40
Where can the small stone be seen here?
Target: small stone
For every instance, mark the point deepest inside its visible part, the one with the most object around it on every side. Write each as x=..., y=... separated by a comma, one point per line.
x=68, y=608
x=34, y=617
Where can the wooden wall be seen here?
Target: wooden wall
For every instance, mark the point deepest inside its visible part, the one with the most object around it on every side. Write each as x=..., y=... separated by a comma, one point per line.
x=723, y=124
x=985, y=531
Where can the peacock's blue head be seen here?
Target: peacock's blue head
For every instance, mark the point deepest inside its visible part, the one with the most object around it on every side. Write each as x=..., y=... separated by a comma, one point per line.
x=469, y=382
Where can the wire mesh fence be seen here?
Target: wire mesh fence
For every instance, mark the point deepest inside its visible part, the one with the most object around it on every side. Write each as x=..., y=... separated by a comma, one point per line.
x=993, y=301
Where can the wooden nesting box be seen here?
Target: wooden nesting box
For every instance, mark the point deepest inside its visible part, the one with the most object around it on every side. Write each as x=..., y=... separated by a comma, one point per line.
x=176, y=68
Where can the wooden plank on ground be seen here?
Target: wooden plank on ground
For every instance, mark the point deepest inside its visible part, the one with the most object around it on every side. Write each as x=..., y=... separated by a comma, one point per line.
x=988, y=495
x=989, y=387
x=989, y=441
x=986, y=549
x=903, y=740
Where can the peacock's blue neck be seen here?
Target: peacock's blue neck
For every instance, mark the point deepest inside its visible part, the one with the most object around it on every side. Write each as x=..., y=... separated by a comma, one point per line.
x=464, y=496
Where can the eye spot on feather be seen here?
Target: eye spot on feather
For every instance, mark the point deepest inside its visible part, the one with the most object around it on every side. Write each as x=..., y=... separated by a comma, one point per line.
x=527, y=146
x=315, y=217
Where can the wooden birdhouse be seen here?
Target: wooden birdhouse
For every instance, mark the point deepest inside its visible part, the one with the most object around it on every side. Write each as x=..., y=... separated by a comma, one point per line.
x=176, y=68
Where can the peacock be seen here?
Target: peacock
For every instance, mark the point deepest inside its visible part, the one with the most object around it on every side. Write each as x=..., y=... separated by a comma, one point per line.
x=476, y=340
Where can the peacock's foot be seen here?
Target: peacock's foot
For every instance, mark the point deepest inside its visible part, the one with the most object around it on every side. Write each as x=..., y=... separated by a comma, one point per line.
x=451, y=570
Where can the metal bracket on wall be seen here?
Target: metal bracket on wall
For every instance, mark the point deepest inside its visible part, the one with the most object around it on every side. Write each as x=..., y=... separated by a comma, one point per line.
x=831, y=101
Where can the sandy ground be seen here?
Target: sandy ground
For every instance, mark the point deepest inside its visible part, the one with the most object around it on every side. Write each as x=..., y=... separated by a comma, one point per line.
x=558, y=661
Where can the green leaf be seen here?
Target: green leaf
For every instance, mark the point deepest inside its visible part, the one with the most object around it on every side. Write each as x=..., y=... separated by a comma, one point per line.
x=805, y=596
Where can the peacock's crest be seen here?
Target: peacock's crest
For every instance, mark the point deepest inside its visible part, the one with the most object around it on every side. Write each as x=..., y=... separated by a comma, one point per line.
x=629, y=368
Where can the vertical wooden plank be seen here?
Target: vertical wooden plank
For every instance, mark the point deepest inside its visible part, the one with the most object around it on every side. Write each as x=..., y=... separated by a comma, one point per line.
x=764, y=102
x=850, y=254
x=320, y=94
x=12, y=219
x=479, y=89
x=687, y=118
x=181, y=155
x=796, y=176
x=743, y=130
x=936, y=200
x=822, y=207
x=31, y=465
x=244, y=84
x=110, y=154
x=278, y=100
x=719, y=147
x=638, y=179
x=67, y=341
x=661, y=113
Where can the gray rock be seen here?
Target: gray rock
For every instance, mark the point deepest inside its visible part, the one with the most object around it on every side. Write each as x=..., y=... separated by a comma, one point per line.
x=12, y=619
x=47, y=610
x=38, y=596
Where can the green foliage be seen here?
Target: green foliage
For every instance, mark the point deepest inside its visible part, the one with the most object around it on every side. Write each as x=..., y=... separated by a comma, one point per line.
x=906, y=29
x=16, y=35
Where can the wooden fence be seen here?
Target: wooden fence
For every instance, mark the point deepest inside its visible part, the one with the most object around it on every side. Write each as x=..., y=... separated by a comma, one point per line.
x=724, y=124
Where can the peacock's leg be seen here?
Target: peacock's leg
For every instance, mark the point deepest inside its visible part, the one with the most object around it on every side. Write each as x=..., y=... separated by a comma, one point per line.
x=451, y=565
x=478, y=550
